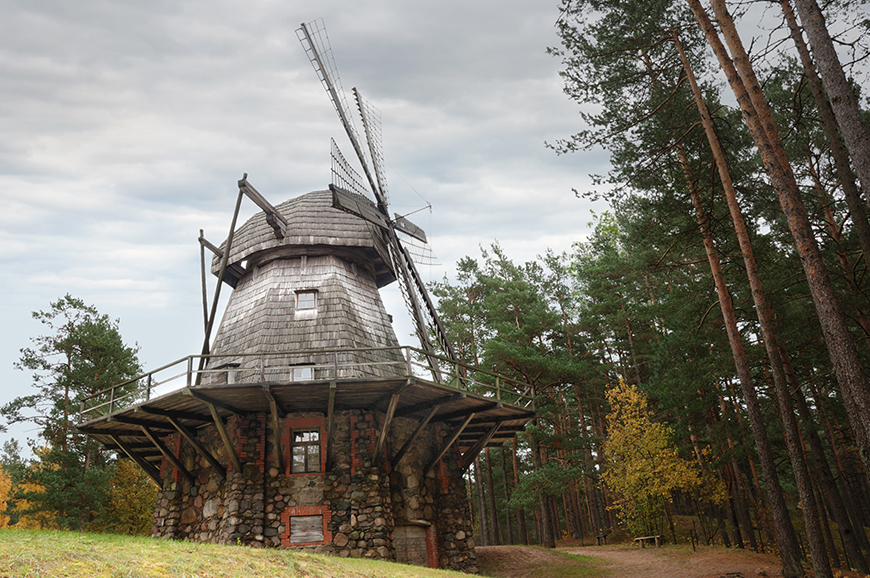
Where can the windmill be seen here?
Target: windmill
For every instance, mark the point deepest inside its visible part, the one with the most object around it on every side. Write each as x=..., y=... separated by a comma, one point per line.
x=303, y=423
x=427, y=323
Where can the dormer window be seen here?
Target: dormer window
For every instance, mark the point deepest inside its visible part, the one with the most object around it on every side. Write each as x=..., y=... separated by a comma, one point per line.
x=303, y=373
x=306, y=300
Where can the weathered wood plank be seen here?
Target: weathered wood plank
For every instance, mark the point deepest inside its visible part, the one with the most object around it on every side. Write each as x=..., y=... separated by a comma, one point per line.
x=277, y=413
x=210, y=401
x=146, y=467
x=330, y=423
x=191, y=439
x=388, y=419
x=447, y=445
x=472, y=452
x=306, y=529
x=407, y=445
x=225, y=437
x=168, y=454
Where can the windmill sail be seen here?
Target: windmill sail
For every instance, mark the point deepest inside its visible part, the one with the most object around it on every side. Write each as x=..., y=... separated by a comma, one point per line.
x=316, y=44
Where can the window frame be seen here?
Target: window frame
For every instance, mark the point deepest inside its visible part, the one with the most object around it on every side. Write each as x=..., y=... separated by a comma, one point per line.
x=304, y=424
x=306, y=453
x=300, y=293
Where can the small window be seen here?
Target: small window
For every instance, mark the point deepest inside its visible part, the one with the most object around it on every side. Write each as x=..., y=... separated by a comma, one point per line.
x=306, y=300
x=305, y=451
x=303, y=373
x=306, y=529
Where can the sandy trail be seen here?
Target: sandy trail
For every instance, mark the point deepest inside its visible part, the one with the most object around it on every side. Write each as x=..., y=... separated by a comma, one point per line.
x=629, y=562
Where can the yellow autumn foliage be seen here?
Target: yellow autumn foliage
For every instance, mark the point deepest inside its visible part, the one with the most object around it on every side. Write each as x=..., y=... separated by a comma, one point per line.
x=642, y=467
x=5, y=488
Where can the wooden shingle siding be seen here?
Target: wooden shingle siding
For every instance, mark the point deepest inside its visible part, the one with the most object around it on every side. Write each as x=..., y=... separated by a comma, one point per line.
x=261, y=317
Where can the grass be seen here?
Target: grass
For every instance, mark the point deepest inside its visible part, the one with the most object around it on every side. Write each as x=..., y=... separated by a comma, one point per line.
x=575, y=566
x=39, y=554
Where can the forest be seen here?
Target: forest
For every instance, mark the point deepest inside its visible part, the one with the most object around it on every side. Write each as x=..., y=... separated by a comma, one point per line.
x=699, y=362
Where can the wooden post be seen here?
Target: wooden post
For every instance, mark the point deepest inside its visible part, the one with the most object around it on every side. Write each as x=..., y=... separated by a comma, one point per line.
x=216, y=465
x=190, y=370
x=141, y=462
x=394, y=401
x=225, y=437
x=447, y=445
x=111, y=401
x=407, y=445
x=168, y=454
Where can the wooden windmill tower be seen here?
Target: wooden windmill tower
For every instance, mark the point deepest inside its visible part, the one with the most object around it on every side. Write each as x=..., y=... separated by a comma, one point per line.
x=305, y=424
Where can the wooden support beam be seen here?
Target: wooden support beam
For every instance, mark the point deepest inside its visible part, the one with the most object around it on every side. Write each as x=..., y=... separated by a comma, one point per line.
x=442, y=401
x=211, y=402
x=405, y=226
x=447, y=445
x=388, y=420
x=464, y=412
x=168, y=454
x=472, y=452
x=277, y=415
x=225, y=437
x=174, y=414
x=275, y=219
x=215, y=465
x=142, y=422
x=217, y=292
x=385, y=399
x=407, y=445
x=104, y=432
x=348, y=202
x=330, y=422
x=146, y=467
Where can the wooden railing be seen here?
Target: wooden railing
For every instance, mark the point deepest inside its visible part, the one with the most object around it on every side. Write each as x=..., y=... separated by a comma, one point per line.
x=324, y=365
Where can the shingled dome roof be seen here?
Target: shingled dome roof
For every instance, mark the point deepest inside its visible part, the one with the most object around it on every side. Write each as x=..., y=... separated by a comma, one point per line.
x=314, y=227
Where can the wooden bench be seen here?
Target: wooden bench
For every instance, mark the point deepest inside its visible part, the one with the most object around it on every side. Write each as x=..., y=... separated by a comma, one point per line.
x=601, y=539
x=643, y=539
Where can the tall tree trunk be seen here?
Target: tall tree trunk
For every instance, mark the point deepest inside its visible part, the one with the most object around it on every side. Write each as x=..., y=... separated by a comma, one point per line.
x=829, y=125
x=482, y=518
x=759, y=118
x=522, y=530
x=785, y=535
x=824, y=476
x=492, y=514
x=842, y=96
x=507, y=509
x=546, y=534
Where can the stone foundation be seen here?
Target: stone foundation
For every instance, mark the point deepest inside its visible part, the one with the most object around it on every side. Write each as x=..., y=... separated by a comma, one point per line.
x=355, y=496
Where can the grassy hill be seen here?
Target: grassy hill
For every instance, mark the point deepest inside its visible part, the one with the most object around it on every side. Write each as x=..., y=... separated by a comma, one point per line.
x=50, y=554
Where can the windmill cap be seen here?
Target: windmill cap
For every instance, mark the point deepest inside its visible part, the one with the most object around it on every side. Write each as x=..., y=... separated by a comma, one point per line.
x=314, y=227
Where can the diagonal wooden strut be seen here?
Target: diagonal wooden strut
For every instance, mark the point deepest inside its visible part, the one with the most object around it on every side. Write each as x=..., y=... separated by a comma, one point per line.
x=191, y=439
x=407, y=445
x=168, y=454
x=447, y=445
x=146, y=467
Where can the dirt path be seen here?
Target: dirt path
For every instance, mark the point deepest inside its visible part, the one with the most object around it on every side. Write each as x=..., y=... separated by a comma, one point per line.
x=681, y=562
x=627, y=562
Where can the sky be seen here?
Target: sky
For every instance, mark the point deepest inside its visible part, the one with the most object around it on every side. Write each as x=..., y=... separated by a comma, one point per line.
x=126, y=126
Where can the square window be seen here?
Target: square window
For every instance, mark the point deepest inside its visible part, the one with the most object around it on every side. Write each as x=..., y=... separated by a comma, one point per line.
x=305, y=451
x=303, y=373
x=306, y=529
x=306, y=300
